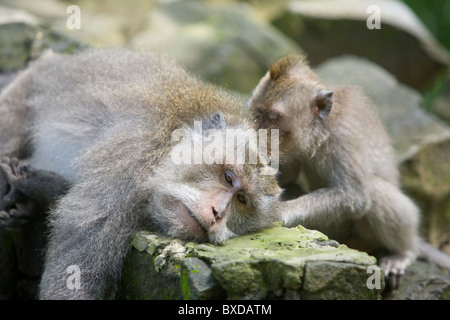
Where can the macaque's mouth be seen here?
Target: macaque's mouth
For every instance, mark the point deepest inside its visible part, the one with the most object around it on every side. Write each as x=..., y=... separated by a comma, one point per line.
x=194, y=218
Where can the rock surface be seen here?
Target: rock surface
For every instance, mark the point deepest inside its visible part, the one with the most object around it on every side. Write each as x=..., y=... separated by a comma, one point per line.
x=330, y=28
x=441, y=106
x=23, y=39
x=224, y=44
x=276, y=263
x=426, y=177
x=422, y=281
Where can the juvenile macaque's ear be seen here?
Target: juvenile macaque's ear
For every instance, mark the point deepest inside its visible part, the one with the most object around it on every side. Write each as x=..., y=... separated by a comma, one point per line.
x=322, y=104
x=217, y=121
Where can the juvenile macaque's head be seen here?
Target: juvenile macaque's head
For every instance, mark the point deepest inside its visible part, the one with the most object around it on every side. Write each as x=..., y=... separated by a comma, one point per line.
x=200, y=195
x=291, y=98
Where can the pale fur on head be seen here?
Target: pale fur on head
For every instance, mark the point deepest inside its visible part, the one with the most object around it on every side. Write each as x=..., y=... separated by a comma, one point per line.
x=289, y=88
x=169, y=184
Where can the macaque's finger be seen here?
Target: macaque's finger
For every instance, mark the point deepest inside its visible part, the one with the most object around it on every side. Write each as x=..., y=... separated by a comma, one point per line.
x=6, y=218
x=4, y=215
x=12, y=197
x=14, y=162
x=7, y=171
x=14, y=217
x=394, y=281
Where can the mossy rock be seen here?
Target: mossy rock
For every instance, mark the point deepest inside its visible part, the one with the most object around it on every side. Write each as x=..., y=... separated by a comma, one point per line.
x=276, y=263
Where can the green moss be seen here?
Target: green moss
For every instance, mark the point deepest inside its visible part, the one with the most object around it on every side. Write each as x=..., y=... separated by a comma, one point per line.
x=268, y=263
x=185, y=285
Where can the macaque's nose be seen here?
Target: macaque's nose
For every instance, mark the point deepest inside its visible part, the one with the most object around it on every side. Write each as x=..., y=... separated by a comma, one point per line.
x=220, y=204
x=217, y=213
x=219, y=209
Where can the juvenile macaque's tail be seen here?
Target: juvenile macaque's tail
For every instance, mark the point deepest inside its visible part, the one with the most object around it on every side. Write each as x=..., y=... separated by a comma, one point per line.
x=432, y=254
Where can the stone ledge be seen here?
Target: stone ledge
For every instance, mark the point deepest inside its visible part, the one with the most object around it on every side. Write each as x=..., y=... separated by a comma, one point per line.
x=276, y=263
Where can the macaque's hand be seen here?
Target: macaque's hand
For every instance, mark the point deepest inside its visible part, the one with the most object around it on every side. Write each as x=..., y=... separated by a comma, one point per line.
x=14, y=170
x=15, y=207
x=290, y=216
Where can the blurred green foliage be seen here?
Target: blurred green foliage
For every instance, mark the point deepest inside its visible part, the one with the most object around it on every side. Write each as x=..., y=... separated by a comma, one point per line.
x=435, y=14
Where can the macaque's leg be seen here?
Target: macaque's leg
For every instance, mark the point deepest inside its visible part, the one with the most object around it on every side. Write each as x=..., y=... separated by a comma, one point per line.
x=394, y=219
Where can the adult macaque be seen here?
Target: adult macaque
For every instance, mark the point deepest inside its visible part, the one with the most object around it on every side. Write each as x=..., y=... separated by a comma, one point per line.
x=103, y=120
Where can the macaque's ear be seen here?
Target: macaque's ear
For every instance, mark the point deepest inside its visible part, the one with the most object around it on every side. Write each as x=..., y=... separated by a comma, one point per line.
x=322, y=104
x=217, y=121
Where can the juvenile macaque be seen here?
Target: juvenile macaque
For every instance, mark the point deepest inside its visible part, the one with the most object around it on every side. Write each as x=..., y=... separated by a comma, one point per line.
x=103, y=121
x=334, y=137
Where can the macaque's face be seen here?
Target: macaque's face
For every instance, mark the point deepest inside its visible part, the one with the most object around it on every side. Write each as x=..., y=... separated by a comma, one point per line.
x=281, y=105
x=292, y=103
x=272, y=115
x=213, y=202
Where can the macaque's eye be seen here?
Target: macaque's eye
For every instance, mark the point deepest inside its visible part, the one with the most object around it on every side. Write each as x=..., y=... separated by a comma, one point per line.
x=258, y=113
x=229, y=178
x=241, y=198
x=273, y=117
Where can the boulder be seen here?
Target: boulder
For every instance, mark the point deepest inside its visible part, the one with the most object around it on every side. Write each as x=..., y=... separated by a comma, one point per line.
x=422, y=281
x=402, y=45
x=23, y=38
x=426, y=177
x=44, y=10
x=17, y=32
x=441, y=105
x=223, y=43
x=276, y=263
x=106, y=23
